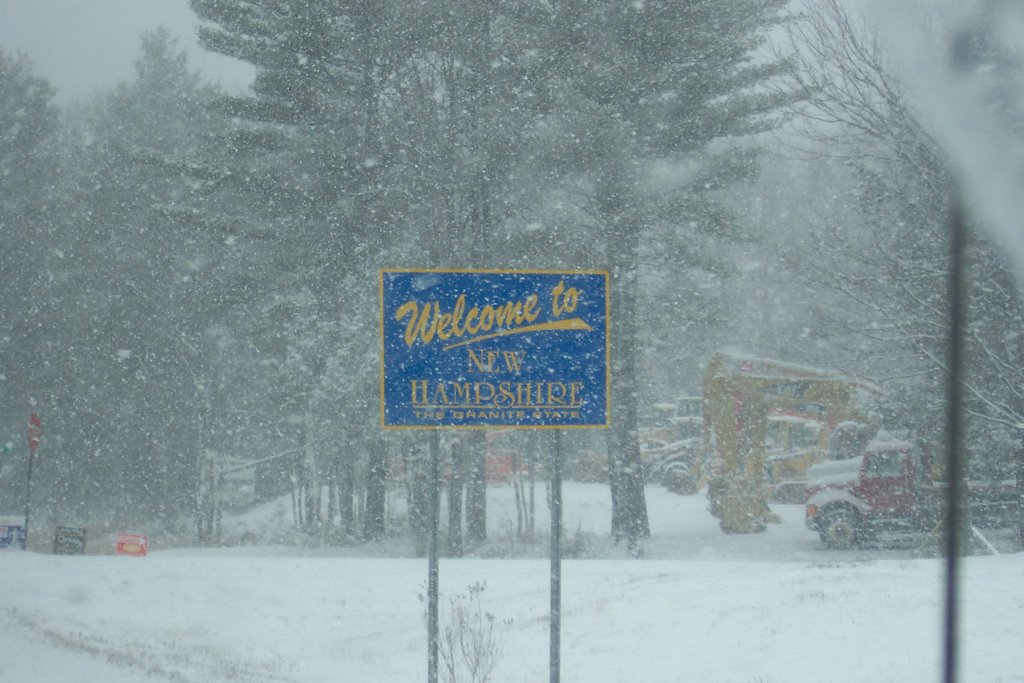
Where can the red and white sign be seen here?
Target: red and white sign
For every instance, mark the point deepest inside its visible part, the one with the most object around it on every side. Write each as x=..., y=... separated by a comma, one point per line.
x=136, y=545
x=35, y=432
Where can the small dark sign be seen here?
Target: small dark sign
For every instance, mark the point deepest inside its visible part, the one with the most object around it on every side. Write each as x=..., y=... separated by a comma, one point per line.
x=69, y=540
x=12, y=536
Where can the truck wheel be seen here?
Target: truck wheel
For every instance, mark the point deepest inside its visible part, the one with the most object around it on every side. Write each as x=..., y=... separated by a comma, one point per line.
x=838, y=528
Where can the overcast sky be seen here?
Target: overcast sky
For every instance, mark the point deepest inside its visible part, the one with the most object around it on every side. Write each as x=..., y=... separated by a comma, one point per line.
x=82, y=46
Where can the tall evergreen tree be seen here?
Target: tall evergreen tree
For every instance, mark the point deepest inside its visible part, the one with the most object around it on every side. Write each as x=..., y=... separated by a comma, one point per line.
x=467, y=97
x=126, y=380
x=28, y=120
x=632, y=85
x=28, y=123
x=379, y=131
x=313, y=161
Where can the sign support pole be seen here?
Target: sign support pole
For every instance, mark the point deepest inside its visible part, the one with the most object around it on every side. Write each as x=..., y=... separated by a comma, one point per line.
x=433, y=569
x=34, y=434
x=28, y=495
x=556, y=559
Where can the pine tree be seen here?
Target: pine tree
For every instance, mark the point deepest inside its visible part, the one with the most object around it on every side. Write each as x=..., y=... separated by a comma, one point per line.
x=134, y=374
x=314, y=164
x=28, y=124
x=633, y=84
x=378, y=131
x=28, y=119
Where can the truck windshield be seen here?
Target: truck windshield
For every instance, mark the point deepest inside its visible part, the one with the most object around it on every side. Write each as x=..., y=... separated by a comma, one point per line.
x=883, y=464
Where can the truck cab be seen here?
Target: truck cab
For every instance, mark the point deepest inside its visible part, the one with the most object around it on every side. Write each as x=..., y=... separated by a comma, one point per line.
x=886, y=488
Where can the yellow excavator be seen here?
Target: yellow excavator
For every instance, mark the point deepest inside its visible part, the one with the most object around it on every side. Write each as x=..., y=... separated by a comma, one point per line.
x=743, y=397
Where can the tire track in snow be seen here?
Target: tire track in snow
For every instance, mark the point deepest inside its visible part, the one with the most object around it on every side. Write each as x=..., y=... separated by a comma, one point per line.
x=170, y=664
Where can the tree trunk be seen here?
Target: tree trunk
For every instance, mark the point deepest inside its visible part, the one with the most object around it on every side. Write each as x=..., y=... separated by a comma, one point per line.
x=332, y=492
x=478, y=100
x=476, y=489
x=518, y=493
x=1020, y=495
x=455, y=489
x=346, y=493
x=629, y=503
x=376, y=491
x=531, y=465
x=419, y=500
x=312, y=481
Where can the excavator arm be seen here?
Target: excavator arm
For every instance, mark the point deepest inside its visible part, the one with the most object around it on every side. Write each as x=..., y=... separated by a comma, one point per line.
x=740, y=394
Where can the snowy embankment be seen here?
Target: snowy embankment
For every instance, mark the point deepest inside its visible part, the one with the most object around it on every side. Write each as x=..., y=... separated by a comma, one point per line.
x=702, y=607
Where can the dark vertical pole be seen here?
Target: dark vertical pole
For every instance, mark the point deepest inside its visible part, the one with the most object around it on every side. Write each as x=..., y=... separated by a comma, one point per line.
x=455, y=488
x=954, y=522
x=432, y=570
x=28, y=495
x=556, y=558
x=1020, y=489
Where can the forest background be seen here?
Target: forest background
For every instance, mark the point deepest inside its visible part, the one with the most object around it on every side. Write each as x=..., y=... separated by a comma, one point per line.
x=189, y=276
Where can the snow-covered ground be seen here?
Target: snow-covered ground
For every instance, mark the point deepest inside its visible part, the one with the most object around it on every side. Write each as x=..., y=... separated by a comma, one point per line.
x=700, y=606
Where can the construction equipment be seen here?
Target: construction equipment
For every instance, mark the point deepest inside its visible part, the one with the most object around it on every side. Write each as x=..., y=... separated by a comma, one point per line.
x=671, y=450
x=747, y=400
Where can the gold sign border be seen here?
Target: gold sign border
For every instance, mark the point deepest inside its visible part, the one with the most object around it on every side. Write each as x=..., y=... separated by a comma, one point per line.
x=500, y=271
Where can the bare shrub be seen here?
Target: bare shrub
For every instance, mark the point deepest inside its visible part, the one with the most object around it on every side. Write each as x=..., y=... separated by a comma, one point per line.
x=472, y=641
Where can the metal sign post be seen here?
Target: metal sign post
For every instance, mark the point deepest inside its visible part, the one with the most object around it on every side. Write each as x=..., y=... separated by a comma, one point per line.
x=555, y=661
x=479, y=349
x=433, y=570
x=35, y=435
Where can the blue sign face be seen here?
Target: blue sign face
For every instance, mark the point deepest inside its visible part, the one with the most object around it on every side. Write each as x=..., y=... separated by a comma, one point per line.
x=477, y=349
x=12, y=536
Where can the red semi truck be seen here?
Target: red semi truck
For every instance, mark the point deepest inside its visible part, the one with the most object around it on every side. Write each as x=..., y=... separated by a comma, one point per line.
x=892, y=488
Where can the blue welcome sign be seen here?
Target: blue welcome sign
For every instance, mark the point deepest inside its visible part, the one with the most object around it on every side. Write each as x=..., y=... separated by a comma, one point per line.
x=486, y=348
